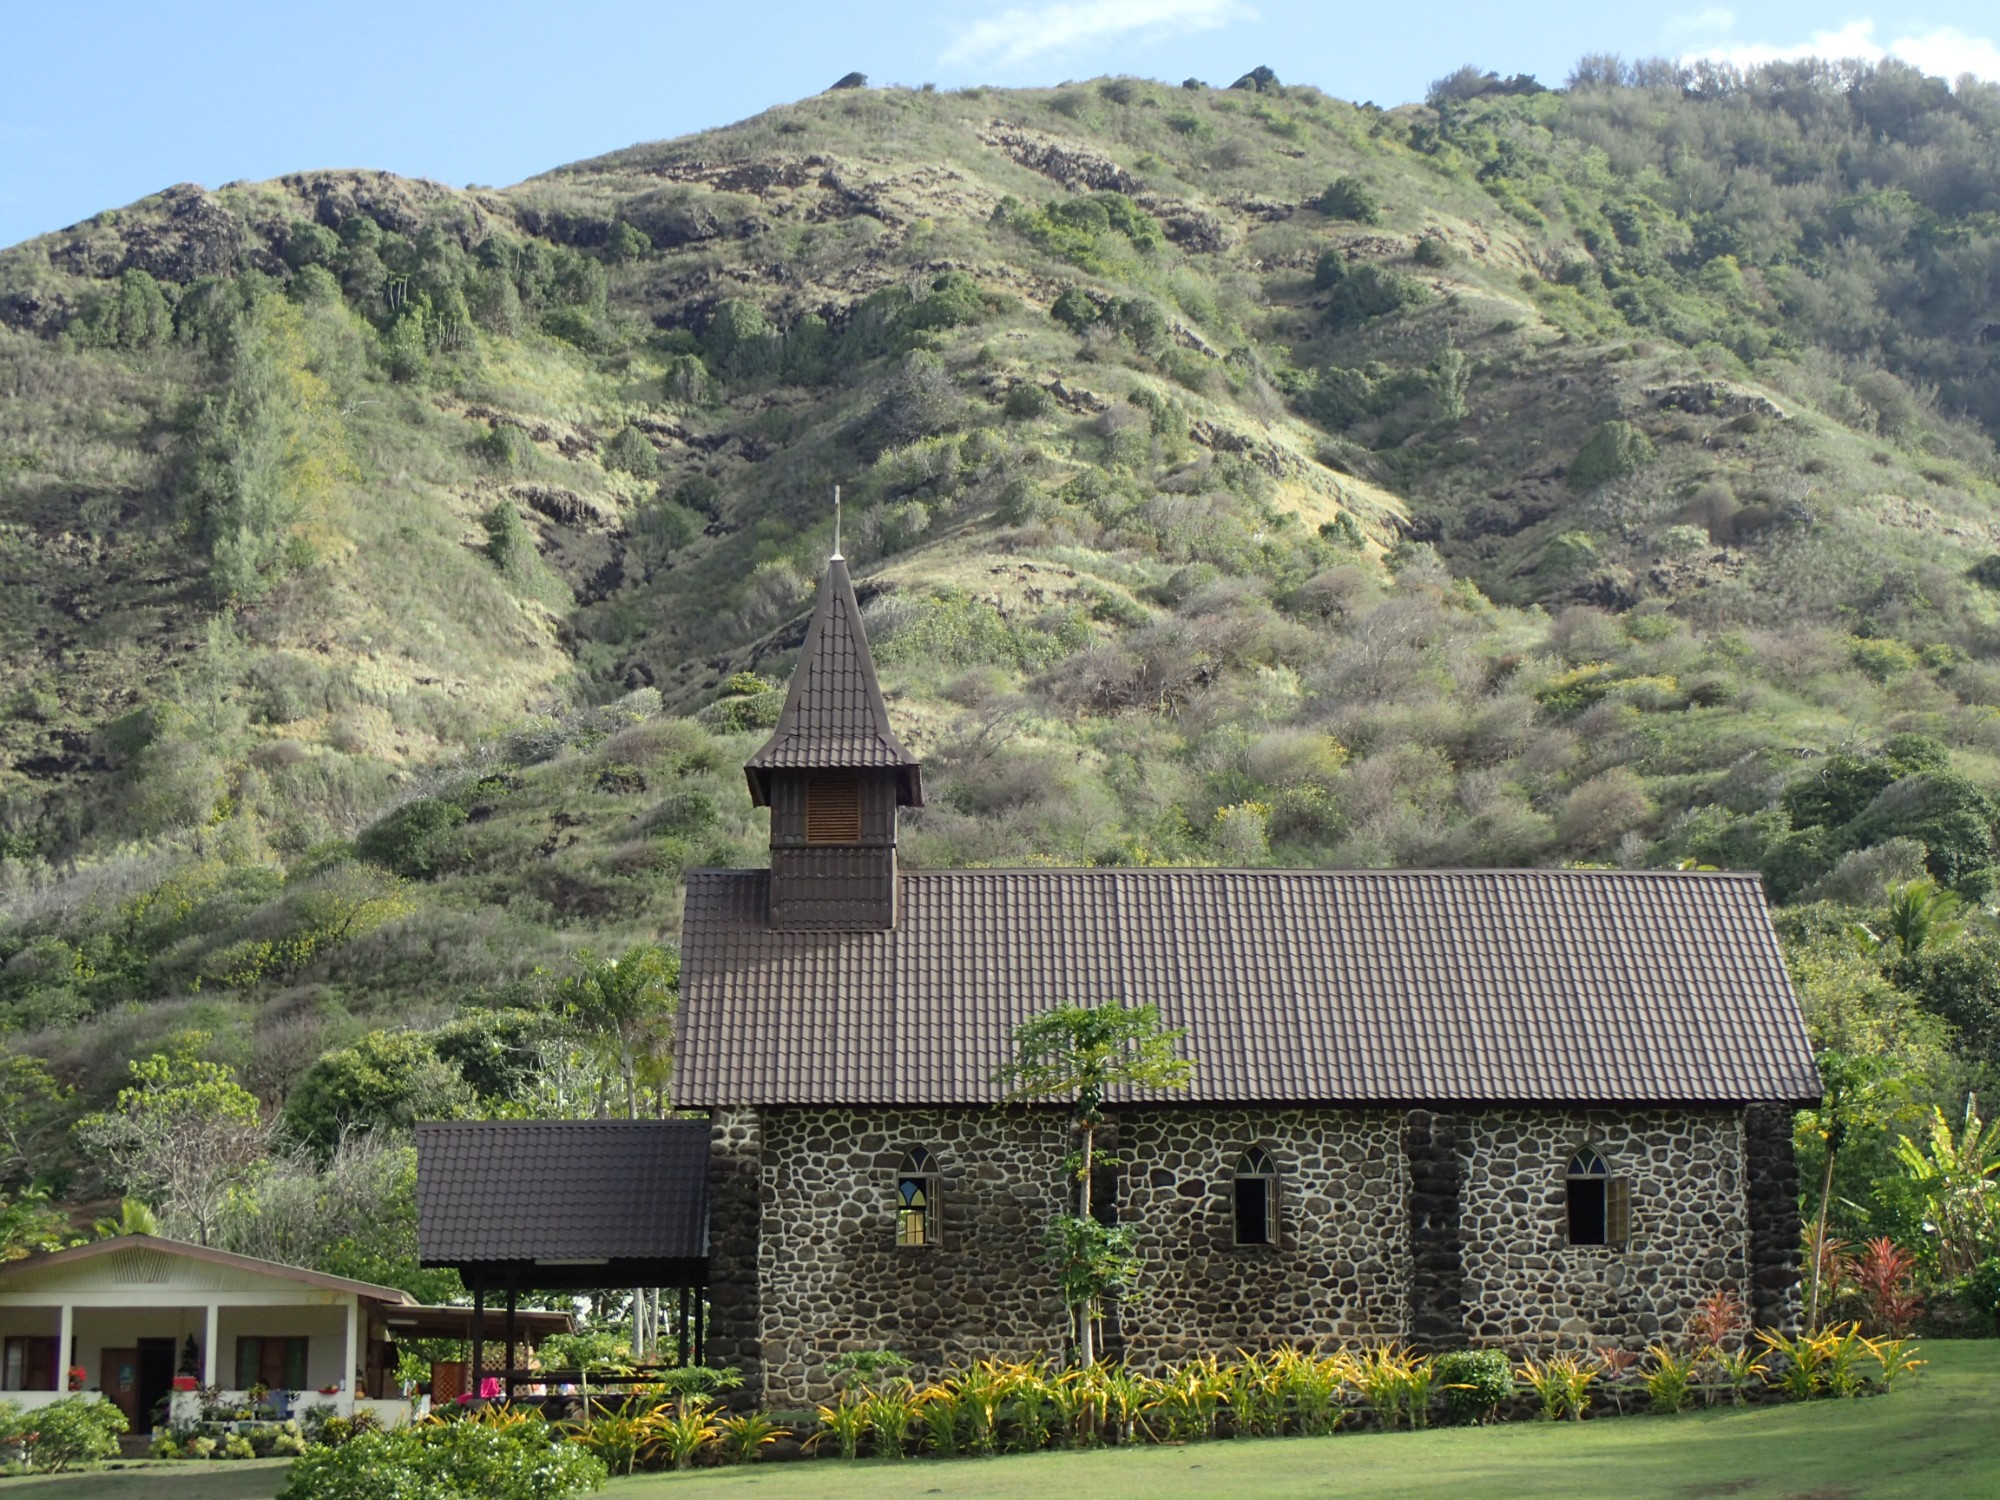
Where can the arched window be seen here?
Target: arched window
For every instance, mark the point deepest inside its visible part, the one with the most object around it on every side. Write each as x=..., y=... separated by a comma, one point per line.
x=917, y=1199
x=1599, y=1204
x=1254, y=1195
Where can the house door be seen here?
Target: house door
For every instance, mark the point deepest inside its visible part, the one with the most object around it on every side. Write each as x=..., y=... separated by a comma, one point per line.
x=121, y=1382
x=156, y=1382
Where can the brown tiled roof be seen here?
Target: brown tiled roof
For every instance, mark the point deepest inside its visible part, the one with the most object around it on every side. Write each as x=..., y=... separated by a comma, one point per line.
x=834, y=716
x=552, y=1190
x=1525, y=986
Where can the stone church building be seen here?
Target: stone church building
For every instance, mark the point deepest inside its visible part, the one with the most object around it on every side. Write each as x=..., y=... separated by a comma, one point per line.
x=1533, y=1108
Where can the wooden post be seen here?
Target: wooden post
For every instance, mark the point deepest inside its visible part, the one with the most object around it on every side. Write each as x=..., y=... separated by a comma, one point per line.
x=507, y=1380
x=700, y=1327
x=682, y=1330
x=478, y=1335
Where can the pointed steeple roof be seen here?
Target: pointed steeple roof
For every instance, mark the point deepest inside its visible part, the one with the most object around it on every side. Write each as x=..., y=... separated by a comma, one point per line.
x=834, y=717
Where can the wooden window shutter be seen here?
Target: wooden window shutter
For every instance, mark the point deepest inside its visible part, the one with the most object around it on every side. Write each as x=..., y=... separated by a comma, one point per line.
x=833, y=809
x=1617, y=1210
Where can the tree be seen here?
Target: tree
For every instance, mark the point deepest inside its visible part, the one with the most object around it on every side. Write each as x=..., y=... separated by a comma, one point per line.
x=1959, y=1177
x=388, y=1080
x=1920, y=913
x=29, y=1223
x=625, y=1006
x=1857, y=1091
x=30, y=1098
x=134, y=1217
x=183, y=1134
x=1078, y=1054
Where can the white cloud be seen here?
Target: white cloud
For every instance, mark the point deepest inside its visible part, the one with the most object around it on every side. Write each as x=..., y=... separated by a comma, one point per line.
x=1021, y=33
x=1716, y=21
x=1944, y=51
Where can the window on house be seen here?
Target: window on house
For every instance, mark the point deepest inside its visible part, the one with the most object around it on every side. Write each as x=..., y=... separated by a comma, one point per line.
x=277, y=1364
x=29, y=1363
x=833, y=808
x=917, y=1199
x=1599, y=1204
x=1255, y=1197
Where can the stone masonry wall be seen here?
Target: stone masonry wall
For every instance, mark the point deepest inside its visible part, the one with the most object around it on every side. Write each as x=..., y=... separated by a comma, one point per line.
x=832, y=1278
x=734, y=1209
x=1774, y=1216
x=1526, y=1287
x=1340, y=1270
x=1434, y=1147
x=1444, y=1228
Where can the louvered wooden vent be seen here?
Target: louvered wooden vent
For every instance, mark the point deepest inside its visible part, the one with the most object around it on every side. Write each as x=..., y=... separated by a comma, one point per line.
x=833, y=810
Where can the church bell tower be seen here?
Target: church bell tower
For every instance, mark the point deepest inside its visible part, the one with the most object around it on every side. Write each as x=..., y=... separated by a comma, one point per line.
x=833, y=774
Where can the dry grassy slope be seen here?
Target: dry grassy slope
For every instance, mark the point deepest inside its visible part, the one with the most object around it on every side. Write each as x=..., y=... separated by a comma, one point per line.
x=808, y=208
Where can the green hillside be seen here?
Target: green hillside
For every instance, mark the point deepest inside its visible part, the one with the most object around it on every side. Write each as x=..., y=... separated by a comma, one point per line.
x=396, y=576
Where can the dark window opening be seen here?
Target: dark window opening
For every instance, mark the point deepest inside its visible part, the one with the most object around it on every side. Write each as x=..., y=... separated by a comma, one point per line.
x=1598, y=1205
x=1254, y=1195
x=275, y=1364
x=833, y=808
x=917, y=1199
x=29, y=1363
x=1104, y=1196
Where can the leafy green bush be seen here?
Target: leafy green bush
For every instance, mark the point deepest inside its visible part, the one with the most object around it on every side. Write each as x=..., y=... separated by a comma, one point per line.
x=1350, y=198
x=508, y=543
x=1434, y=251
x=73, y=1432
x=1027, y=401
x=629, y=452
x=687, y=383
x=1367, y=291
x=1613, y=451
x=504, y=445
x=1951, y=817
x=1474, y=1382
x=411, y=840
x=456, y=1460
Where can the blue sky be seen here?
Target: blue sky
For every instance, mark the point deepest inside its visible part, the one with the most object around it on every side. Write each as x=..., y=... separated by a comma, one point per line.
x=103, y=103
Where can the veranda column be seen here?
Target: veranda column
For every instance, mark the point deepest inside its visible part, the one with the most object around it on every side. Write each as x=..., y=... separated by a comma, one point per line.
x=213, y=1336
x=347, y=1380
x=65, y=1335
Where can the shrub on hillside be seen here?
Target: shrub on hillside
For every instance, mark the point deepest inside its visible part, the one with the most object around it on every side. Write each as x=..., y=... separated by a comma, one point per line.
x=628, y=452
x=1351, y=199
x=1366, y=291
x=412, y=839
x=1614, y=450
x=508, y=543
x=688, y=385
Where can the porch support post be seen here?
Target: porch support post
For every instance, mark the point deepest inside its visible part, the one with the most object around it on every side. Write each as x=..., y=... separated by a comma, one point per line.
x=211, y=1357
x=478, y=1364
x=507, y=1380
x=348, y=1382
x=65, y=1336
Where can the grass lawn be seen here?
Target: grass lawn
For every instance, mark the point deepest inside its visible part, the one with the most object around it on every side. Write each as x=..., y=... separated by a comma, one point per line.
x=232, y=1479
x=1937, y=1436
